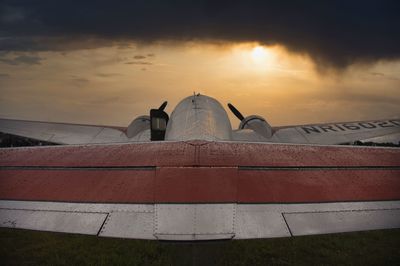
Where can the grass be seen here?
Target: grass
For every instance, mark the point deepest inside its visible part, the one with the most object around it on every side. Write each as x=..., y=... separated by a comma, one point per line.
x=24, y=247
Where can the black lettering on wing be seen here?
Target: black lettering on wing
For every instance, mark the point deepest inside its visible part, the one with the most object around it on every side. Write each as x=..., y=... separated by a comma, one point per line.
x=395, y=122
x=384, y=124
x=339, y=127
x=327, y=128
x=367, y=125
x=351, y=126
x=309, y=130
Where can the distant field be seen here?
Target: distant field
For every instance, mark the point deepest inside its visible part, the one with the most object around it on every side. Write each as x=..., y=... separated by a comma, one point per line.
x=22, y=247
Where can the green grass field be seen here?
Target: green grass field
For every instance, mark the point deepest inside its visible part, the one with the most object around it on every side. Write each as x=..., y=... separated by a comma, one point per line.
x=23, y=247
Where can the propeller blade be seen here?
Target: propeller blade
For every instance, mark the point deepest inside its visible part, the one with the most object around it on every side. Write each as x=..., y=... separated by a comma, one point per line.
x=163, y=105
x=235, y=112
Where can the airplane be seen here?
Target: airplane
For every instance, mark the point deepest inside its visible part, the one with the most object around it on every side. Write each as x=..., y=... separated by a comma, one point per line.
x=203, y=118
x=190, y=177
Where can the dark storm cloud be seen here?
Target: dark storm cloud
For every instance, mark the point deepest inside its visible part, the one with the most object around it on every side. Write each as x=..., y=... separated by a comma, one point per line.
x=382, y=75
x=138, y=63
x=139, y=57
x=22, y=59
x=4, y=76
x=336, y=33
x=107, y=75
x=78, y=81
x=377, y=74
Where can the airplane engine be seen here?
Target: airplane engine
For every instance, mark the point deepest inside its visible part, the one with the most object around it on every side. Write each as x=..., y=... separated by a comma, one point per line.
x=258, y=124
x=139, y=124
x=254, y=122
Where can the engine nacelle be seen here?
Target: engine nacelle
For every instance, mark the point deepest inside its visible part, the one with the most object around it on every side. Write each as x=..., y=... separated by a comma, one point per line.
x=257, y=124
x=139, y=124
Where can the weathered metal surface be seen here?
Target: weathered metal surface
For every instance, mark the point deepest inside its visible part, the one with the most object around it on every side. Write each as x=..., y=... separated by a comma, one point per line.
x=317, y=185
x=335, y=133
x=318, y=207
x=199, y=117
x=196, y=184
x=194, y=221
x=64, y=133
x=266, y=154
x=335, y=222
x=149, y=177
x=68, y=222
x=200, y=172
x=174, y=219
x=199, y=153
x=267, y=220
x=215, y=219
x=75, y=207
x=139, y=225
x=107, y=155
x=259, y=224
x=200, y=221
x=149, y=208
x=78, y=185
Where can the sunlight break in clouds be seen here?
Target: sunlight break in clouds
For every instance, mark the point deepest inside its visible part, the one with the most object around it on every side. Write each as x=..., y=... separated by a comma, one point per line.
x=112, y=85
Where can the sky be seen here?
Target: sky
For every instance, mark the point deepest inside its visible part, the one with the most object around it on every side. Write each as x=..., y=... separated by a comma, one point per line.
x=106, y=62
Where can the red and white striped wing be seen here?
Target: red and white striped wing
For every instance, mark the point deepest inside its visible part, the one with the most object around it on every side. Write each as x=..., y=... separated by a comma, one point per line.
x=200, y=190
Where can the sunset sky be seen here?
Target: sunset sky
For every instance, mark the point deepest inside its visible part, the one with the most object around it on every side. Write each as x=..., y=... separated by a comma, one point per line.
x=102, y=62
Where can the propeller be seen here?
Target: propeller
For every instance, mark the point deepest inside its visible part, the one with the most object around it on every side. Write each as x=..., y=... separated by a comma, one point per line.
x=163, y=105
x=236, y=112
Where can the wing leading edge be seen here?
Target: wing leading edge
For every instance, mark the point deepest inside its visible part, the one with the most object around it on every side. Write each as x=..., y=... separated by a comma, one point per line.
x=381, y=131
x=64, y=133
x=206, y=190
x=340, y=133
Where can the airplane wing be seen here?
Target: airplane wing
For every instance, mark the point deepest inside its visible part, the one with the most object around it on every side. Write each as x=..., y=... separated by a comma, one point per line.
x=336, y=133
x=199, y=190
x=340, y=133
x=63, y=133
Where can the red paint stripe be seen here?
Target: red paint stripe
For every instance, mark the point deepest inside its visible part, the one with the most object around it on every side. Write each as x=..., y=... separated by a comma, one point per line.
x=257, y=154
x=78, y=186
x=141, y=154
x=196, y=185
x=221, y=183
x=200, y=185
x=318, y=186
x=200, y=153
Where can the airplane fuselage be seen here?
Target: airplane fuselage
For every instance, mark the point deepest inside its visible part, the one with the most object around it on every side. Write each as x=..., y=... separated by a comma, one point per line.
x=199, y=117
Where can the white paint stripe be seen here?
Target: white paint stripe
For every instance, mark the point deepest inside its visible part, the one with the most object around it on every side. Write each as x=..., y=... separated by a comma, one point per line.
x=345, y=221
x=75, y=207
x=68, y=222
x=204, y=221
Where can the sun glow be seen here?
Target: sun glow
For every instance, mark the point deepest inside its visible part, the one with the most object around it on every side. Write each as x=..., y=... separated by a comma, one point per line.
x=256, y=58
x=111, y=86
x=259, y=54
